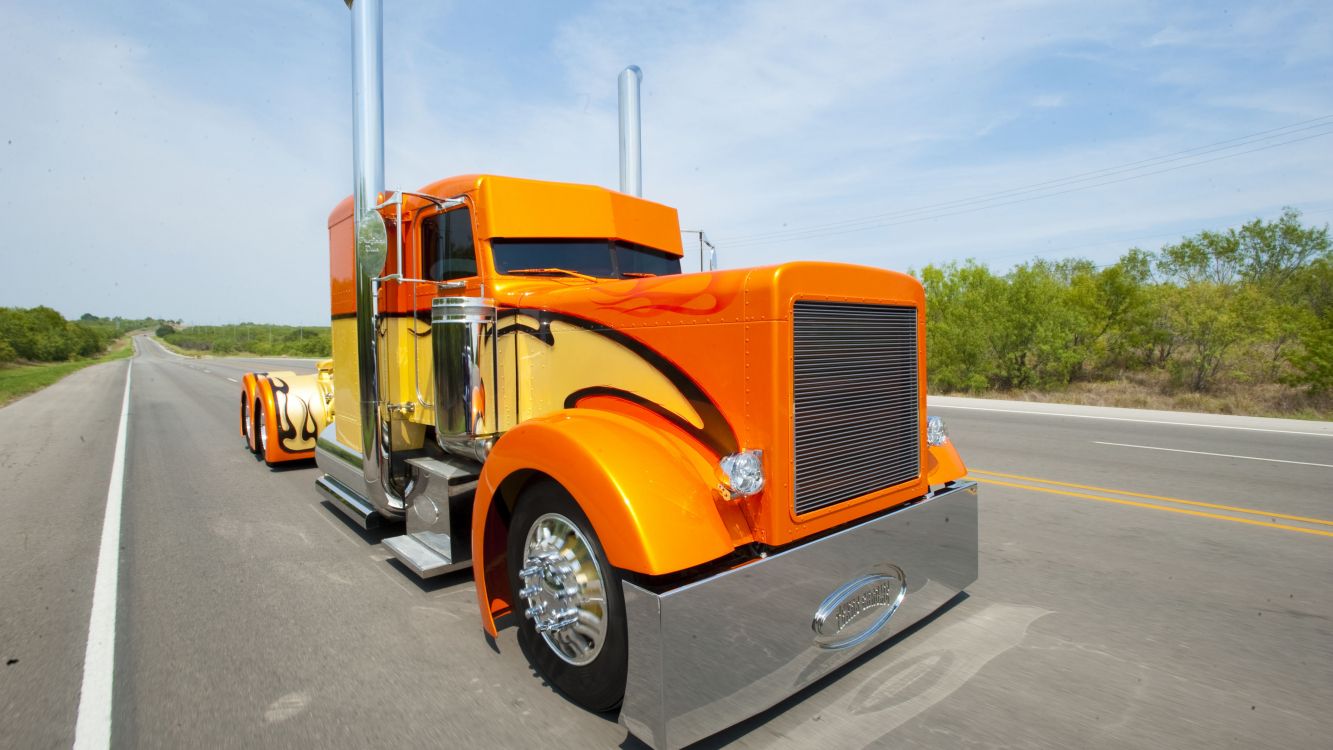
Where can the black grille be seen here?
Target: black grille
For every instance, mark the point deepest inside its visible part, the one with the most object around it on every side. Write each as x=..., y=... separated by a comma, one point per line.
x=856, y=418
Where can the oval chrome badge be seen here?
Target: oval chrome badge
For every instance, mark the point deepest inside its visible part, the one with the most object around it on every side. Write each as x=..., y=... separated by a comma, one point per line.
x=859, y=608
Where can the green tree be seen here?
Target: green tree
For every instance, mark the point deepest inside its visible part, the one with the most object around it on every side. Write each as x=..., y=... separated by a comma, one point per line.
x=1037, y=337
x=956, y=347
x=1209, y=319
x=1313, y=364
x=1272, y=254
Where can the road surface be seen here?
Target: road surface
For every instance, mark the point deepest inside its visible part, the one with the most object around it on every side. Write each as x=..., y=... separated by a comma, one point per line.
x=1144, y=583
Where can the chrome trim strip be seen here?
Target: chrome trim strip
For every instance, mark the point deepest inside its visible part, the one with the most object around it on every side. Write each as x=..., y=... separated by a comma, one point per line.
x=711, y=653
x=327, y=442
x=351, y=504
x=342, y=472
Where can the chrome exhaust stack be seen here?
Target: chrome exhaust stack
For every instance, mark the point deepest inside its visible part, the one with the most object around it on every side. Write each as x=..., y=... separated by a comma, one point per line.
x=631, y=132
x=371, y=245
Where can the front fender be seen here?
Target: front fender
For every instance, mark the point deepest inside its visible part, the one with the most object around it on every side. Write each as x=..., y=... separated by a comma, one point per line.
x=943, y=464
x=649, y=496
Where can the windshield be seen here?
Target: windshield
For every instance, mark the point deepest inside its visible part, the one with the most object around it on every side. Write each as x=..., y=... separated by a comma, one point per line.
x=606, y=259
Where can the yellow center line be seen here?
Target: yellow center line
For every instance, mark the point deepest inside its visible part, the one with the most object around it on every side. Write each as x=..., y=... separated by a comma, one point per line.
x=1196, y=503
x=1132, y=503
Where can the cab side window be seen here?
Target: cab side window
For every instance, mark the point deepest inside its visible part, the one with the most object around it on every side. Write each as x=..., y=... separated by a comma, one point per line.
x=446, y=246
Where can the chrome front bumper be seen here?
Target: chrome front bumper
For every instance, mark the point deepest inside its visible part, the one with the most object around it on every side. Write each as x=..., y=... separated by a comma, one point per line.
x=711, y=653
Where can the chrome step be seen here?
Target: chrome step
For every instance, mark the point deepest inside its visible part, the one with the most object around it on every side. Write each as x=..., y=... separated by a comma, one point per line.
x=427, y=554
x=350, y=503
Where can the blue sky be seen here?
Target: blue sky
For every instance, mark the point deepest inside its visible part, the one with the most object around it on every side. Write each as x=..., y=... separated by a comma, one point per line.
x=180, y=159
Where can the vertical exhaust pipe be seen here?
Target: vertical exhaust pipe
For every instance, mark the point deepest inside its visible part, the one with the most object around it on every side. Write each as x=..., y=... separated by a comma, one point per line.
x=367, y=104
x=367, y=187
x=631, y=144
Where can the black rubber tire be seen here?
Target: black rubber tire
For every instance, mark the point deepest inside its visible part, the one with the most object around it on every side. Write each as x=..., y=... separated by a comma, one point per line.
x=260, y=434
x=599, y=685
x=248, y=419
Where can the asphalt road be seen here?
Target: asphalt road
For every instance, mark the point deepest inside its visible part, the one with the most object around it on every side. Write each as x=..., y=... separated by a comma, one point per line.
x=1145, y=583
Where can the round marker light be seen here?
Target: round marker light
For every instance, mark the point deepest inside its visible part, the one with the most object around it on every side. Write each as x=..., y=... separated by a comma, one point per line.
x=744, y=472
x=935, y=432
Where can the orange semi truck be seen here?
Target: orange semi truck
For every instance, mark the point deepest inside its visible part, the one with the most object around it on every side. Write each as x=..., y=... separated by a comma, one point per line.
x=692, y=493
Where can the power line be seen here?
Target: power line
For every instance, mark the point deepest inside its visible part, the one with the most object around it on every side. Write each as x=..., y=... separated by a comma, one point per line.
x=872, y=221
x=814, y=232
x=1080, y=177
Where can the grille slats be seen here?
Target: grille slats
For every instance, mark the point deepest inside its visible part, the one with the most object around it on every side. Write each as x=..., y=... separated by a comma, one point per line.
x=857, y=427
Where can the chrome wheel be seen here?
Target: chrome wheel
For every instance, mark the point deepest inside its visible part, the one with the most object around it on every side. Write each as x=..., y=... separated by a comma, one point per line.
x=247, y=425
x=563, y=586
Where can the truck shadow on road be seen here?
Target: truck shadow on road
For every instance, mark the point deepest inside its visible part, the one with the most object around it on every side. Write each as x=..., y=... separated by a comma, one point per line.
x=287, y=466
x=369, y=536
x=373, y=537
x=456, y=579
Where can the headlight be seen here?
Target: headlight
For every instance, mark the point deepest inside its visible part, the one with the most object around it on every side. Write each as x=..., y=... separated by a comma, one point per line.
x=935, y=432
x=744, y=472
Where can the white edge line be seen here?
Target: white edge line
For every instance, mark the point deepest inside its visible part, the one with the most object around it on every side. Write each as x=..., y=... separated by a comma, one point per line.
x=1222, y=455
x=1131, y=419
x=92, y=729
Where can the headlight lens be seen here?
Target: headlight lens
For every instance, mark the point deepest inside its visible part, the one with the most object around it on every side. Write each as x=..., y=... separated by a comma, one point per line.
x=744, y=472
x=935, y=432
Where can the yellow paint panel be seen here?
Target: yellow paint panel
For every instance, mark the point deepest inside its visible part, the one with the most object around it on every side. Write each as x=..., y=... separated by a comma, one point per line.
x=397, y=381
x=578, y=359
x=346, y=384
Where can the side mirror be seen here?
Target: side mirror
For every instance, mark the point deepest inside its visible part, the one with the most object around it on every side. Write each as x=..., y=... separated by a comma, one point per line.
x=372, y=242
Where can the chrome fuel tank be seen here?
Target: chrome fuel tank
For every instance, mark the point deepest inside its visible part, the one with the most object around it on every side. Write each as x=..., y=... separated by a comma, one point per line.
x=463, y=342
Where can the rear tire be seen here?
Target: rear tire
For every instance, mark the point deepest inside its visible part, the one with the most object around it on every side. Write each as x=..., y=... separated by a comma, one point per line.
x=248, y=426
x=261, y=427
x=551, y=539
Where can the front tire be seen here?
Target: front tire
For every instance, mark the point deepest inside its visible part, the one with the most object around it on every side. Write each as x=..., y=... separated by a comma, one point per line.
x=570, y=606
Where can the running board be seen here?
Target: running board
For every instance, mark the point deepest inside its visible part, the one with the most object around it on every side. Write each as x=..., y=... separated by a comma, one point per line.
x=350, y=503
x=426, y=554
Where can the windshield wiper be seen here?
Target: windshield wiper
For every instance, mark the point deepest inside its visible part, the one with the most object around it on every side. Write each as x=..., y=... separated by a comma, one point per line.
x=538, y=271
x=637, y=274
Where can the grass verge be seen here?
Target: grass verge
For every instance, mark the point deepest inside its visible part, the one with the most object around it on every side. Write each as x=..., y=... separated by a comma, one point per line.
x=172, y=347
x=1155, y=391
x=195, y=354
x=18, y=380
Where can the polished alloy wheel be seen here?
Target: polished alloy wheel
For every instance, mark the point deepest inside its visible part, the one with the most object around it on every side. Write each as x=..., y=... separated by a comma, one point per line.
x=249, y=426
x=563, y=585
